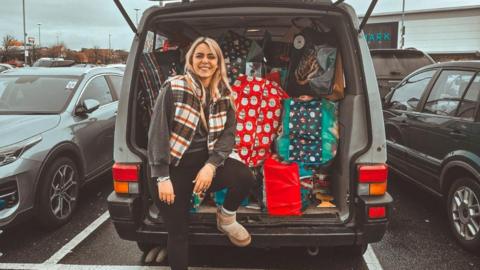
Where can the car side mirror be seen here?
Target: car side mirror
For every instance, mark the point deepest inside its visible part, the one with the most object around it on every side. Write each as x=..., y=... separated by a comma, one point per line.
x=87, y=106
x=413, y=102
x=387, y=97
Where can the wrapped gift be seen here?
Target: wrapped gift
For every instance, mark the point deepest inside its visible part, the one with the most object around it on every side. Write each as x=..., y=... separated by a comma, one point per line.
x=258, y=103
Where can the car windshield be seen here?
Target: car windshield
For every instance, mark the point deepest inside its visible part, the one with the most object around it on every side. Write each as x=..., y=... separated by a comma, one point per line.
x=33, y=94
x=393, y=64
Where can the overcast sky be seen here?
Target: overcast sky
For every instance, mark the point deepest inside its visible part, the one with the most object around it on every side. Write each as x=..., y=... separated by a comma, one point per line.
x=88, y=23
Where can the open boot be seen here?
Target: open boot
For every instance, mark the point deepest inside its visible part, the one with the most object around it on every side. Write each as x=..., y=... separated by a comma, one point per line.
x=237, y=234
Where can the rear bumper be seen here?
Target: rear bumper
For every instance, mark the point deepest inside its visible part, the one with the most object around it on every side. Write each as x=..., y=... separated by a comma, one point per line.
x=124, y=214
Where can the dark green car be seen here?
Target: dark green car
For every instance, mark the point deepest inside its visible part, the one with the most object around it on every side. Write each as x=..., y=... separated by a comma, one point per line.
x=432, y=124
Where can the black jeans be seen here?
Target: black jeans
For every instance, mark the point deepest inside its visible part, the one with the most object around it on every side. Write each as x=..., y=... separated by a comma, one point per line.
x=233, y=175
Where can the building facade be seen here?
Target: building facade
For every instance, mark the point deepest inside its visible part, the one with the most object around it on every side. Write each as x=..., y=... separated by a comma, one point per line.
x=446, y=33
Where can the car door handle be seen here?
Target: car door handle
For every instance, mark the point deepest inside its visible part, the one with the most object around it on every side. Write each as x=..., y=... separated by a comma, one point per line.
x=457, y=134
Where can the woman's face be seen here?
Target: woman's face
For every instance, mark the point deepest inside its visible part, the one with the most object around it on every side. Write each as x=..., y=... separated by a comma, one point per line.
x=205, y=63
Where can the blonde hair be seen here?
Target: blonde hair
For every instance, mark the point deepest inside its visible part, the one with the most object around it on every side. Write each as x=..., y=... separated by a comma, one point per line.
x=219, y=78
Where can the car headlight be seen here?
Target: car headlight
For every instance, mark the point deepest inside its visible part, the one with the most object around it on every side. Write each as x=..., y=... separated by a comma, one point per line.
x=10, y=153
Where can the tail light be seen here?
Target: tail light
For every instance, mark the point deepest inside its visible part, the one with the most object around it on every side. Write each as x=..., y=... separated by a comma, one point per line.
x=372, y=179
x=125, y=178
x=377, y=212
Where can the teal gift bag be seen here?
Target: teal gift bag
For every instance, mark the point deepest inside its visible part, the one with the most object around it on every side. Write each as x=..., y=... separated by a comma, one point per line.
x=219, y=198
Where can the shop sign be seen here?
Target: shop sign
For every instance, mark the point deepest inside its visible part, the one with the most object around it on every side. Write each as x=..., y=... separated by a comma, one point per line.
x=381, y=35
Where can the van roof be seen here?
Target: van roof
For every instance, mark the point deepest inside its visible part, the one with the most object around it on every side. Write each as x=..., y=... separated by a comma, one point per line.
x=212, y=4
x=223, y=2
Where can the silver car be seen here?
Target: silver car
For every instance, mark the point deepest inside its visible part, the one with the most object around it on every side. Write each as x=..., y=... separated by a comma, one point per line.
x=56, y=134
x=5, y=67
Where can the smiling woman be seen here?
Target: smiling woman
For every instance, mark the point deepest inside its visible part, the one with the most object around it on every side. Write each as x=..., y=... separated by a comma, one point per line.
x=35, y=94
x=197, y=111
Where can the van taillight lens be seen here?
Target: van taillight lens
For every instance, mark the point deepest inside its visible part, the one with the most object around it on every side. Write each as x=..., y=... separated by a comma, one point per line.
x=125, y=172
x=372, y=179
x=376, y=173
x=125, y=178
x=377, y=212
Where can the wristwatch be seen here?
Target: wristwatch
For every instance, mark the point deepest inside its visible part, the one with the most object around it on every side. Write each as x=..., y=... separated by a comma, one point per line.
x=162, y=179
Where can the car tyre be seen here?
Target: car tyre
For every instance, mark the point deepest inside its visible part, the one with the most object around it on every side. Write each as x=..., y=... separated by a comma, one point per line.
x=463, y=209
x=58, y=193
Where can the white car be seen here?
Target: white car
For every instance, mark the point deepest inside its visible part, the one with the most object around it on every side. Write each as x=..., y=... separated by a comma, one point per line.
x=5, y=67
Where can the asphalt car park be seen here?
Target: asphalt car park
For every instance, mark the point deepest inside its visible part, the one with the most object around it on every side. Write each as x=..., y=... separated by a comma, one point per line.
x=418, y=237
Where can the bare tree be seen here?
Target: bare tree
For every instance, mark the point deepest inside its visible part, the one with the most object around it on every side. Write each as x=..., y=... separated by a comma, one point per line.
x=57, y=50
x=7, y=43
x=96, y=54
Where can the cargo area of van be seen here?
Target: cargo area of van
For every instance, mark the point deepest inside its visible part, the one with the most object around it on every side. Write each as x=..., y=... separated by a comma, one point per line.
x=269, y=51
x=309, y=123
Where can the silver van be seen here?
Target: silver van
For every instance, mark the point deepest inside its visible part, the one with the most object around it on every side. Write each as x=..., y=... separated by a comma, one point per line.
x=358, y=172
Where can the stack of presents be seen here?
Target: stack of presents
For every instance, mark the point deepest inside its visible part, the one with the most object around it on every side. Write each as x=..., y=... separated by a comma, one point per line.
x=286, y=95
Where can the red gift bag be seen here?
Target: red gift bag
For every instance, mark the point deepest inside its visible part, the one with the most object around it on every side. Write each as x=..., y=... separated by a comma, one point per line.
x=282, y=196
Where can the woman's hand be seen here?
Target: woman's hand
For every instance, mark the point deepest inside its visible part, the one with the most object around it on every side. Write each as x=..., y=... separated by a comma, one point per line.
x=165, y=192
x=204, y=178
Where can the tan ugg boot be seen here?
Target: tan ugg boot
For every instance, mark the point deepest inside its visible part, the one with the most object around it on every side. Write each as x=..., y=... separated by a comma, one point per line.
x=237, y=234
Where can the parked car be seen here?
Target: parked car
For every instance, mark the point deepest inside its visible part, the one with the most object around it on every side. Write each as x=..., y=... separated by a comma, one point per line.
x=119, y=66
x=392, y=65
x=432, y=122
x=53, y=62
x=56, y=135
x=85, y=65
x=5, y=67
x=360, y=216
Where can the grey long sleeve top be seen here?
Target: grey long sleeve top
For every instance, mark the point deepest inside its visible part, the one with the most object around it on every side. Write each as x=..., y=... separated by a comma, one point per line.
x=159, y=136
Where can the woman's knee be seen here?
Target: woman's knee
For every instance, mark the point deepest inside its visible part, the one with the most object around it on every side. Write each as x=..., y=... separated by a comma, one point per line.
x=245, y=178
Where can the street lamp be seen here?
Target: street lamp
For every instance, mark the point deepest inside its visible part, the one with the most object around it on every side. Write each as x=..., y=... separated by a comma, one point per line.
x=109, y=48
x=25, y=52
x=39, y=43
x=136, y=15
x=402, y=39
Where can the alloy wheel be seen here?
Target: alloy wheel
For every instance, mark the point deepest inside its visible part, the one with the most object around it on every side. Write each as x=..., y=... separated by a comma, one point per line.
x=465, y=212
x=63, y=191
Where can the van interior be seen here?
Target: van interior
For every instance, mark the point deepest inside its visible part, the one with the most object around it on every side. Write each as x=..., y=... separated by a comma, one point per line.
x=276, y=39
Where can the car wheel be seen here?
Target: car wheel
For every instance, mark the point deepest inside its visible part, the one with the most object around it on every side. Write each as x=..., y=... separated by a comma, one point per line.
x=463, y=208
x=59, y=189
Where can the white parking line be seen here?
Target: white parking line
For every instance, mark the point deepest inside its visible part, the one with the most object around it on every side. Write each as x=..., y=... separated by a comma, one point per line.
x=67, y=248
x=371, y=259
x=15, y=266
